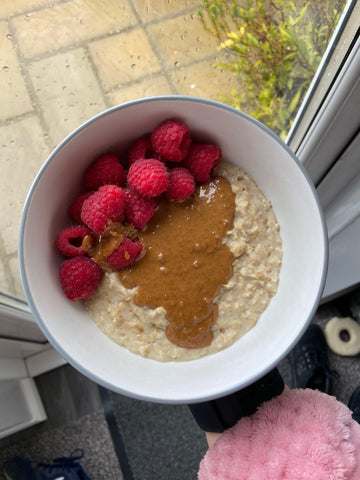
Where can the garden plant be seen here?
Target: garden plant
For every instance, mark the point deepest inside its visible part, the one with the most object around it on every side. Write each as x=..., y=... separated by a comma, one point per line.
x=274, y=48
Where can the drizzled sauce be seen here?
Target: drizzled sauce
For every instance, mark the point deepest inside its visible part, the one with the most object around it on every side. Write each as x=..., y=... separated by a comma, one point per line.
x=186, y=262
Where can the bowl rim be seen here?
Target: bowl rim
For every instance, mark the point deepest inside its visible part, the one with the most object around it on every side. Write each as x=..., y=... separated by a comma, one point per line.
x=23, y=221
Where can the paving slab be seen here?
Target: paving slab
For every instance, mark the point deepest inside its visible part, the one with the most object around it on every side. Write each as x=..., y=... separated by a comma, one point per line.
x=150, y=10
x=16, y=284
x=153, y=85
x=68, y=23
x=67, y=91
x=124, y=58
x=14, y=96
x=182, y=40
x=14, y=7
x=5, y=279
x=194, y=80
x=23, y=149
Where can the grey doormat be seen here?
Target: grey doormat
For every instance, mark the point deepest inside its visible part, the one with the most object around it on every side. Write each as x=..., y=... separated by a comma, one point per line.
x=154, y=441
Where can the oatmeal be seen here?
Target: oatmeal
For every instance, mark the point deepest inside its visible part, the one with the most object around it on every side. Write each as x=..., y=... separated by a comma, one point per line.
x=250, y=255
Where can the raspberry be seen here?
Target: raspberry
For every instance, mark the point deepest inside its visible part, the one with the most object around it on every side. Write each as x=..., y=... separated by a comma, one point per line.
x=148, y=177
x=138, y=209
x=75, y=208
x=79, y=277
x=141, y=149
x=69, y=241
x=171, y=139
x=125, y=254
x=103, y=207
x=181, y=184
x=201, y=160
x=105, y=170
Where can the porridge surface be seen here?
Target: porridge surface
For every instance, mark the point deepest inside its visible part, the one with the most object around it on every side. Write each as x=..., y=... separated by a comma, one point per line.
x=256, y=247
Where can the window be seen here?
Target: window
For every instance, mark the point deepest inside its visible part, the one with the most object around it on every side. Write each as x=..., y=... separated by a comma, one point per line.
x=276, y=49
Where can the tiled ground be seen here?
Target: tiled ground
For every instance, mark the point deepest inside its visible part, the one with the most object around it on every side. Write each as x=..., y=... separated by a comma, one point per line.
x=62, y=62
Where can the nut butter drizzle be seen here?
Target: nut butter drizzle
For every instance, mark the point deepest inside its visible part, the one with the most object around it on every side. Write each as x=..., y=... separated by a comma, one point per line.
x=186, y=262
x=100, y=247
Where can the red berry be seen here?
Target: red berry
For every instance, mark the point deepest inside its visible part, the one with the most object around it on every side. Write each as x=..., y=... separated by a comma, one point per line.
x=79, y=277
x=138, y=209
x=125, y=254
x=75, y=208
x=69, y=241
x=105, y=170
x=103, y=207
x=181, y=184
x=148, y=177
x=141, y=149
x=202, y=158
x=171, y=139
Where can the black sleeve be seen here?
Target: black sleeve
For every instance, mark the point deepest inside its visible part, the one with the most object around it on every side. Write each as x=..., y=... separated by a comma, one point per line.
x=223, y=413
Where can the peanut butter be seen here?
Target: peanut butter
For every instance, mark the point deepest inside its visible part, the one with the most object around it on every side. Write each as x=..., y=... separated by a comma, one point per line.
x=100, y=247
x=186, y=262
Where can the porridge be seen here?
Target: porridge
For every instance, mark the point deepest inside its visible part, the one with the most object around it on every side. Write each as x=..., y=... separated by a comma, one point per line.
x=234, y=288
x=175, y=252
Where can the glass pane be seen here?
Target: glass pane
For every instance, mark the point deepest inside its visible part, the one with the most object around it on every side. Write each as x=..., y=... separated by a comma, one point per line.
x=65, y=61
x=274, y=49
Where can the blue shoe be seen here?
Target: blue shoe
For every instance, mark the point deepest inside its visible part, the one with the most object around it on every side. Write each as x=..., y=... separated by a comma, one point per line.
x=64, y=468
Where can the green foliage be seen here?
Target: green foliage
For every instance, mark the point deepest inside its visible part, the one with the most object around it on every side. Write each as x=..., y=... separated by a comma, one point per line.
x=274, y=47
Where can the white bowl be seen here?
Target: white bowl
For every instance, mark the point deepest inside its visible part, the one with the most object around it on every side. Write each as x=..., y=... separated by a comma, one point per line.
x=279, y=175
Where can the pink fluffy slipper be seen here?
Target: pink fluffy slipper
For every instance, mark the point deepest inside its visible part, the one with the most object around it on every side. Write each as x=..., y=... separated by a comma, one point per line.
x=301, y=435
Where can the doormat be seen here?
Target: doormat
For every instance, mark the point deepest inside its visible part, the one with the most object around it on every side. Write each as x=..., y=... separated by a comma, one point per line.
x=153, y=441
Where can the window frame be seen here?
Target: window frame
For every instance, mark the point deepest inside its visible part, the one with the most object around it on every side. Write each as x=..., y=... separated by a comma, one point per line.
x=328, y=119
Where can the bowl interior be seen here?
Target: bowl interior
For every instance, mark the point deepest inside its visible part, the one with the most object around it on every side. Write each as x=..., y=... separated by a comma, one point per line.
x=279, y=175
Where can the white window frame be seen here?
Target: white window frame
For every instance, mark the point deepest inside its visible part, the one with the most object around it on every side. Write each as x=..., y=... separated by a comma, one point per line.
x=325, y=138
x=336, y=123
x=329, y=116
